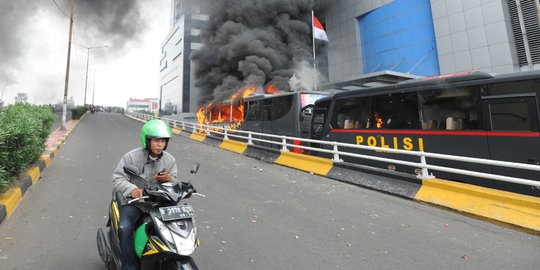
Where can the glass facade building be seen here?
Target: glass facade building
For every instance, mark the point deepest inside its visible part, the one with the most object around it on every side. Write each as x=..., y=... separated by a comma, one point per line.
x=178, y=94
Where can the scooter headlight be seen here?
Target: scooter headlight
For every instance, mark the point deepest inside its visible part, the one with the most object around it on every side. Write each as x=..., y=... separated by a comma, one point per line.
x=164, y=231
x=184, y=233
x=186, y=246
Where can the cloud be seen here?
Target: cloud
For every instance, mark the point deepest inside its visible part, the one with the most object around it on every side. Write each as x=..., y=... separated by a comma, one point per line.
x=33, y=47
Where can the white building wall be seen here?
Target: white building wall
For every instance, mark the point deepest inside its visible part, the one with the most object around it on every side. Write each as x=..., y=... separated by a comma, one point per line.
x=176, y=54
x=171, y=67
x=474, y=35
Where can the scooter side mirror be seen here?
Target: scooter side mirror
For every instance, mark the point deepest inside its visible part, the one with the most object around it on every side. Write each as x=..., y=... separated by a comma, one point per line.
x=195, y=168
x=131, y=170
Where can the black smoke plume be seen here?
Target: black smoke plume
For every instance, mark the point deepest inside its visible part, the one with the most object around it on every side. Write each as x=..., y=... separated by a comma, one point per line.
x=252, y=42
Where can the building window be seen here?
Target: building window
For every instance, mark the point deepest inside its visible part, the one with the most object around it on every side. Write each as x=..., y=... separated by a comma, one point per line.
x=526, y=30
x=197, y=24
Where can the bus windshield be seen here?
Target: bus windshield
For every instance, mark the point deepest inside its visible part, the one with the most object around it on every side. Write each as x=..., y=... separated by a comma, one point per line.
x=309, y=99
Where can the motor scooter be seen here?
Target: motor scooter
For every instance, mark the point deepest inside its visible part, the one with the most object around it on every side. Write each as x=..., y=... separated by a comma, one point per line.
x=166, y=233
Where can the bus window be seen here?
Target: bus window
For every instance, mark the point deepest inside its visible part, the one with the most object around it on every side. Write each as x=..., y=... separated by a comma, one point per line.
x=319, y=115
x=451, y=109
x=252, y=111
x=267, y=109
x=351, y=114
x=394, y=111
x=319, y=118
x=512, y=115
x=508, y=88
x=309, y=99
x=281, y=106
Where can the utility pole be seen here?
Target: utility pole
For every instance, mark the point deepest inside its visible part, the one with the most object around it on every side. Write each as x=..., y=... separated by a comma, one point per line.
x=3, y=89
x=87, y=62
x=94, y=86
x=86, y=80
x=71, y=4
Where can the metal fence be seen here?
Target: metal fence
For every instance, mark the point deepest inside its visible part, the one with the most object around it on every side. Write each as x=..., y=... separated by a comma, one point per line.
x=338, y=150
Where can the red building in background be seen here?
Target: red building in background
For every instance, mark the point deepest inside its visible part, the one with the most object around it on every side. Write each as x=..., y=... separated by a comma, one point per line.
x=147, y=104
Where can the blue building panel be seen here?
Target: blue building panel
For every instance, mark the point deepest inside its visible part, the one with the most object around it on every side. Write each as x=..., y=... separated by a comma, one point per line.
x=400, y=37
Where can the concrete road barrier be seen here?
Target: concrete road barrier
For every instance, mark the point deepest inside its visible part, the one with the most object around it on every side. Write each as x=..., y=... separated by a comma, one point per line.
x=312, y=164
x=234, y=146
x=516, y=209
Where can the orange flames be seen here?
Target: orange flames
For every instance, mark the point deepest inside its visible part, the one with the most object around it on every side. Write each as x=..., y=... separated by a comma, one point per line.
x=379, y=122
x=271, y=89
x=229, y=113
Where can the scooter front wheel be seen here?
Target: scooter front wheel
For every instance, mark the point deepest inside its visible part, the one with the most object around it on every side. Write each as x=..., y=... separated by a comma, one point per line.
x=186, y=263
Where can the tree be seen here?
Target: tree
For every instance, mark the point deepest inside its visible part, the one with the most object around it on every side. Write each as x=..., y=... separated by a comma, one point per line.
x=21, y=97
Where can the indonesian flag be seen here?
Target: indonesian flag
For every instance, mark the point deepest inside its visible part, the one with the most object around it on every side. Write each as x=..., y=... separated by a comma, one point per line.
x=318, y=30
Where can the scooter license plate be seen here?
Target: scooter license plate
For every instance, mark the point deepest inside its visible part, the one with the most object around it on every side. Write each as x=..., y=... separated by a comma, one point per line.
x=176, y=212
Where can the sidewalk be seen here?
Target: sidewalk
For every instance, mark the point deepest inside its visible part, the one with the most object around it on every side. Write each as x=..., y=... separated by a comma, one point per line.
x=57, y=134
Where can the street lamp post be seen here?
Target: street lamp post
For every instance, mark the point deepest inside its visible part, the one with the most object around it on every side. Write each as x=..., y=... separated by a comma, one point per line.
x=3, y=89
x=86, y=80
x=87, y=62
x=94, y=88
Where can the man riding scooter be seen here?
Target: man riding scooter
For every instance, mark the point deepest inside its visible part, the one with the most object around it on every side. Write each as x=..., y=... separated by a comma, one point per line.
x=157, y=166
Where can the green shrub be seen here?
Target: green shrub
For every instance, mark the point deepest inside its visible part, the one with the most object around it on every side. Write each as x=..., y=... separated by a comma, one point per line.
x=24, y=129
x=6, y=180
x=78, y=112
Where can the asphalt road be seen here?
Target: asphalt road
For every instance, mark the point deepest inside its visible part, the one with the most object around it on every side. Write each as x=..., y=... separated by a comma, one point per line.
x=255, y=215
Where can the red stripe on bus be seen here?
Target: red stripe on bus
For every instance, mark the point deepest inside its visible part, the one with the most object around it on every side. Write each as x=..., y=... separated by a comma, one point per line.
x=432, y=132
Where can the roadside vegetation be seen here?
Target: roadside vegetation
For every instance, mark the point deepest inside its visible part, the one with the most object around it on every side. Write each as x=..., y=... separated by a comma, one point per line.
x=23, y=131
x=78, y=112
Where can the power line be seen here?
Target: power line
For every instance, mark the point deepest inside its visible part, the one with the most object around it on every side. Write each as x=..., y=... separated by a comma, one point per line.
x=59, y=9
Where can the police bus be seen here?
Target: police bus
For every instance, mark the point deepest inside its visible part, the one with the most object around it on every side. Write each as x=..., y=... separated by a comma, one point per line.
x=470, y=114
x=287, y=114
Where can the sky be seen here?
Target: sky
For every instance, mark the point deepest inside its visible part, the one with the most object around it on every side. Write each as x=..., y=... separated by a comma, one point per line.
x=33, y=49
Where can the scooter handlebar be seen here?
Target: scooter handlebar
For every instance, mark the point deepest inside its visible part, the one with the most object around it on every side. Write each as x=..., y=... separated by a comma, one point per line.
x=198, y=194
x=138, y=199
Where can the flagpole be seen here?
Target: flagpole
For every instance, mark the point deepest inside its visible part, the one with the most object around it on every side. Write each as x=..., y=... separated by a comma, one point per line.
x=314, y=58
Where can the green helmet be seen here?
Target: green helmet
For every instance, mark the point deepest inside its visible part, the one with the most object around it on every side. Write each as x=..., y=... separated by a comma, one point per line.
x=155, y=129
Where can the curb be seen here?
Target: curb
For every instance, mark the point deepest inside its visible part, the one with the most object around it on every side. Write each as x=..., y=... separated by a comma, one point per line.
x=504, y=208
x=10, y=199
x=520, y=211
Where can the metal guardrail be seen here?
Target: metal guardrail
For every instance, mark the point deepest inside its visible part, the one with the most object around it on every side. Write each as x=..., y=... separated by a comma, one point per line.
x=338, y=151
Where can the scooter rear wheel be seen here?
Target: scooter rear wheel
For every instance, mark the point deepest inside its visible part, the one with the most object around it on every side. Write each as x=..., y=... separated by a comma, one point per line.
x=104, y=250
